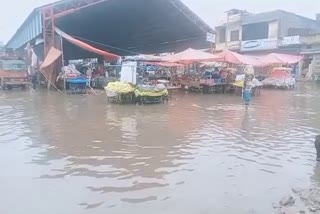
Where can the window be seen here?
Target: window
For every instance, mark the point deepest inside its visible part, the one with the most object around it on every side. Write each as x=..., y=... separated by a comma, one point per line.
x=222, y=36
x=255, y=31
x=234, y=35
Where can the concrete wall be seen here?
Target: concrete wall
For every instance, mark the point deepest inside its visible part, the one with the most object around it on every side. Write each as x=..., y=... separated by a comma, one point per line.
x=233, y=27
x=228, y=28
x=219, y=35
x=290, y=20
x=273, y=29
x=311, y=39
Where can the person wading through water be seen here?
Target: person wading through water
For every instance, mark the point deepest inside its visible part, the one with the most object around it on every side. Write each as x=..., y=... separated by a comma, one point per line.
x=247, y=90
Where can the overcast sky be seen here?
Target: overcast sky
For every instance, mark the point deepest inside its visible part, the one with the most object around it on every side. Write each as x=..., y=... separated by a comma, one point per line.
x=14, y=12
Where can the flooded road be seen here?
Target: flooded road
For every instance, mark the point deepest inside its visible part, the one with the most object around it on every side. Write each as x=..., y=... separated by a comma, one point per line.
x=197, y=154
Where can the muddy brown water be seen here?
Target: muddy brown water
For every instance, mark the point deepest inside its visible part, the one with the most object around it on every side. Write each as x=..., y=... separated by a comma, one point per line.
x=197, y=154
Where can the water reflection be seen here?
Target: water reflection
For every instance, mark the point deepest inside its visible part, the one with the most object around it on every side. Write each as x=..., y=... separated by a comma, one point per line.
x=199, y=153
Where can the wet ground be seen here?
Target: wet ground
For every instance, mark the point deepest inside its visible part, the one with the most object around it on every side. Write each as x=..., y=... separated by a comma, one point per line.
x=198, y=154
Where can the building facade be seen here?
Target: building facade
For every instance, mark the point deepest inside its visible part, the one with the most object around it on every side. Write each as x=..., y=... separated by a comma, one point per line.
x=229, y=33
x=275, y=31
x=311, y=51
x=2, y=49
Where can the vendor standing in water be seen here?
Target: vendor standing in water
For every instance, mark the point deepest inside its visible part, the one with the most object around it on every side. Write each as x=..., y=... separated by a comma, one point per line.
x=247, y=93
x=248, y=85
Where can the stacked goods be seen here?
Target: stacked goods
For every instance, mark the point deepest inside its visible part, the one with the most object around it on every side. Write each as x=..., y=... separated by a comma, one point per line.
x=69, y=71
x=119, y=92
x=151, y=91
x=119, y=88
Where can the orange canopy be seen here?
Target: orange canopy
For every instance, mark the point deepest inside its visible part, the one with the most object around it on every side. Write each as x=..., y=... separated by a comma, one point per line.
x=51, y=57
x=86, y=46
x=191, y=55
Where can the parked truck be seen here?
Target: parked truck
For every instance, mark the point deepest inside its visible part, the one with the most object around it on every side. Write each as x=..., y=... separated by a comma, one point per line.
x=13, y=73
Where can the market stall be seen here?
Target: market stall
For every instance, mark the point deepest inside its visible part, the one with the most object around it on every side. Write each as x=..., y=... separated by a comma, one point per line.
x=275, y=60
x=242, y=65
x=150, y=72
x=75, y=80
x=219, y=79
x=196, y=79
x=280, y=78
x=72, y=80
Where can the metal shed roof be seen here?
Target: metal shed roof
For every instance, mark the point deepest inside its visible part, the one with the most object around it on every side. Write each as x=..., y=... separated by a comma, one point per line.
x=125, y=26
x=30, y=29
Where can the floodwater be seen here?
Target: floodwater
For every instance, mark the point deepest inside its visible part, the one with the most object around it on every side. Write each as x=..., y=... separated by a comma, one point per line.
x=199, y=154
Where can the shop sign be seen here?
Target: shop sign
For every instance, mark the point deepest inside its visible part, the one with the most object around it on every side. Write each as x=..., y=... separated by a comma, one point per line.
x=290, y=40
x=211, y=38
x=235, y=45
x=260, y=44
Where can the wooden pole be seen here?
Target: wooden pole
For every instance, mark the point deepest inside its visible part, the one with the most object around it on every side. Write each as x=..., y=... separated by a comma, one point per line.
x=49, y=82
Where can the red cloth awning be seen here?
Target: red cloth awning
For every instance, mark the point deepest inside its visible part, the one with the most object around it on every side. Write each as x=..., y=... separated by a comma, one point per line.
x=52, y=56
x=86, y=46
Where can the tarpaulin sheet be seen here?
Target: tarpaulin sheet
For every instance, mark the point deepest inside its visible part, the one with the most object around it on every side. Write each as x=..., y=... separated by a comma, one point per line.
x=86, y=46
x=165, y=64
x=51, y=57
x=239, y=59
x=191, y=55
x=276, y=58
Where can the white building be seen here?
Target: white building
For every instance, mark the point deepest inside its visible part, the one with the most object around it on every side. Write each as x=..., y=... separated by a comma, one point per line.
x=275, y=31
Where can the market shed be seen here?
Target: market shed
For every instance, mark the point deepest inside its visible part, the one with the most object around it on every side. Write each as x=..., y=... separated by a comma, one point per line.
x=122, y=27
